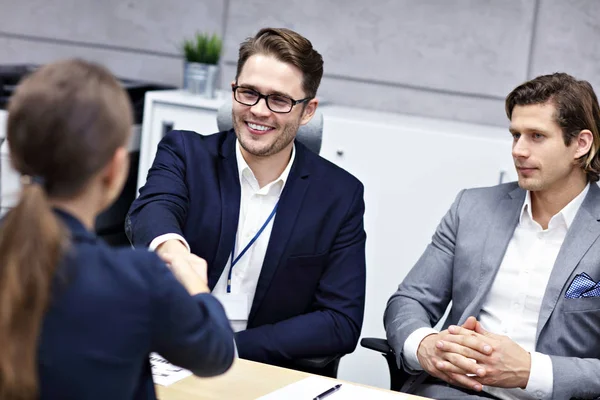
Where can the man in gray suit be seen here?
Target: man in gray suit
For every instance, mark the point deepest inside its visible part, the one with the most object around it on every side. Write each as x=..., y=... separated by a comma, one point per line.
x=519, y=263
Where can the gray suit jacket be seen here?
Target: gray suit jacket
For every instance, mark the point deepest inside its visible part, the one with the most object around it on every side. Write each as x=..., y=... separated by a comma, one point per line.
x=462, y=260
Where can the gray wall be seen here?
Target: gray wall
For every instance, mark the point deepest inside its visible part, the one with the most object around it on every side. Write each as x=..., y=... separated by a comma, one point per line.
x=454, y=59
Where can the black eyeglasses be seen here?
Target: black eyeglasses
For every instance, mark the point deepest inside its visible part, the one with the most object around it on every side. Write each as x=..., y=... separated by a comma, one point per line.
x=275, y=102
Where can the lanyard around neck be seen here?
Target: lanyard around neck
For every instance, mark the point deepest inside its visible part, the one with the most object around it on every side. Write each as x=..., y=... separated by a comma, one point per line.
x=235, y=260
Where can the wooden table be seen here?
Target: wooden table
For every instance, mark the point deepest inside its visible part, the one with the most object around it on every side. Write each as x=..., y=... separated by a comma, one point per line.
x=245, y=380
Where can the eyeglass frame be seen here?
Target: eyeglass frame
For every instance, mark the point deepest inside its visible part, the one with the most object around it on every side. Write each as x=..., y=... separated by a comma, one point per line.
x=266, y=97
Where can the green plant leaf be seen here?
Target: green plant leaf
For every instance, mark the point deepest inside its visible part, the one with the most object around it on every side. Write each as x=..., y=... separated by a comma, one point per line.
x=203, y=48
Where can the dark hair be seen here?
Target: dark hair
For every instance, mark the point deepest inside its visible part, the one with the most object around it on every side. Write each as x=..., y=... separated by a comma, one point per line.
x=576, y=109
x=289, y=47
x=65, y=122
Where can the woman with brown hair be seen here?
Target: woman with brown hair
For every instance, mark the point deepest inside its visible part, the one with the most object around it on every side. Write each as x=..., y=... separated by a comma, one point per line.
x=78, y=319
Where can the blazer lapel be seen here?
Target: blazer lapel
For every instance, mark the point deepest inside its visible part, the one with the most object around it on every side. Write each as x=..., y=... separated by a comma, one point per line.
x=283, y=225
x=229, y=184
x=581, y=235
x=501, y=230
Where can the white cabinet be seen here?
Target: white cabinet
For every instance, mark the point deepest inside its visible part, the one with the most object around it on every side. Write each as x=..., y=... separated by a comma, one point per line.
x=173, y=109
x=10, y=186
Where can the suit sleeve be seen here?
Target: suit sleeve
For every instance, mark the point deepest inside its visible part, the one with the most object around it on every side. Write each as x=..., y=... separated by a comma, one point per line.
x=424, y=295
x=191, y=332
x=334, y=327
x=163, y=203
x=575, y=377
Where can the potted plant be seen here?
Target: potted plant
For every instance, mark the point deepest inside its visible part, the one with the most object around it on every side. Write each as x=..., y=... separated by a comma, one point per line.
x=201, y=70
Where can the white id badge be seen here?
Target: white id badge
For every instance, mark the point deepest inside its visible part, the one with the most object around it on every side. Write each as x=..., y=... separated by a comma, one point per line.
x=237, y=306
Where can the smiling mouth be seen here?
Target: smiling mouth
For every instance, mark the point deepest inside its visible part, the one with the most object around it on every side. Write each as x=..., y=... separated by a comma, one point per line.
x=258, y=128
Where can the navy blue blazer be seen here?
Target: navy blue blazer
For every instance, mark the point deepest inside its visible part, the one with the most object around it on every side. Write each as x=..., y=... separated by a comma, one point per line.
x=310, y=296
x=110, y=308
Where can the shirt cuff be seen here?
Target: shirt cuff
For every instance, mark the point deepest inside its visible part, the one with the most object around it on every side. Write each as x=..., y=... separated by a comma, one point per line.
x=411, y=345
x=167, y=236
x=541, y=378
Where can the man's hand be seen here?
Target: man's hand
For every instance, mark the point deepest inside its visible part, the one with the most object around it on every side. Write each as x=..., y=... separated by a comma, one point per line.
x=188, y=268
x=507, y=365
x=172, y=246
x=448, y=366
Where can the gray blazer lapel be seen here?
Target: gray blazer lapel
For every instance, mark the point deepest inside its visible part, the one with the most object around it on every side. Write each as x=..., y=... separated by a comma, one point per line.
x=581, y=235
x=502, y=228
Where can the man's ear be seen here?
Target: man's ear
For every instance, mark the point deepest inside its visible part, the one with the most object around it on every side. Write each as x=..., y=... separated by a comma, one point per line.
x=232, y=93
x=584, y=142
x=309, y=111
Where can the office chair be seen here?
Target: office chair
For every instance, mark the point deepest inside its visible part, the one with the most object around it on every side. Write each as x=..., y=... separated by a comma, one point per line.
x=397, y=376
x=309, y=135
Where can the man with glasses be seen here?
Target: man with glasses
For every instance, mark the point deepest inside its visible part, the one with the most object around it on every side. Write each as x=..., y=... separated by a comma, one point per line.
x=278, y=228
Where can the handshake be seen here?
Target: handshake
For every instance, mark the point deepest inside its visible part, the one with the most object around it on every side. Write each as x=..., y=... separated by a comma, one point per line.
x=188, y=268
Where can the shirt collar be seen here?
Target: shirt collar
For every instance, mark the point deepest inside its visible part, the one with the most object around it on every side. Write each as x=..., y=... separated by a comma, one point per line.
x=245, y=171
x=568, y=212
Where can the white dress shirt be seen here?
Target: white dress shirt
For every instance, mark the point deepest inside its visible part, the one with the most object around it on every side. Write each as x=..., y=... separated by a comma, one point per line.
x=513, y=303
x=256, y=204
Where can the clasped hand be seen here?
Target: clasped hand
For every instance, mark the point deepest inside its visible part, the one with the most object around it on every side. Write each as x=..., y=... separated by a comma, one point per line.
x=471, y=357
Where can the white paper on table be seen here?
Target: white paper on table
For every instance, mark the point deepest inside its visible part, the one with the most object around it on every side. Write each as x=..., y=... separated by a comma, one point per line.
x=309, y=388
x=164, y=373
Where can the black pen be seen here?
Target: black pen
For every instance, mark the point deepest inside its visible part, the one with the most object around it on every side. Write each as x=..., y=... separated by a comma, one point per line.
x=328, y=392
